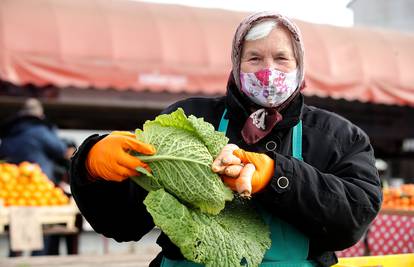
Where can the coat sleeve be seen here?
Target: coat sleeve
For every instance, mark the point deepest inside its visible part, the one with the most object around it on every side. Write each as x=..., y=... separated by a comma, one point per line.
x=334, y=206
x=113, y=209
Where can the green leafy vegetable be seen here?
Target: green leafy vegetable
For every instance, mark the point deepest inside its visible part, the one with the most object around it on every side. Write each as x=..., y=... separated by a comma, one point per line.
x=235, y=237
x=182, y=164
x=188, y=201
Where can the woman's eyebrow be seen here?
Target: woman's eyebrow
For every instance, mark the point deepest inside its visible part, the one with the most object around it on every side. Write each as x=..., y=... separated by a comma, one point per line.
x=250, y=53
x=284, y=53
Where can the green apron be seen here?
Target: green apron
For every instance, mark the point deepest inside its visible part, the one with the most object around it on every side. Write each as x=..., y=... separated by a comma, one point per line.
x=289, y=246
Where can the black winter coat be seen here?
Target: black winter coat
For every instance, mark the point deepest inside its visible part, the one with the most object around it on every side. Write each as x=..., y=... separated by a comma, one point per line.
x=332, y=195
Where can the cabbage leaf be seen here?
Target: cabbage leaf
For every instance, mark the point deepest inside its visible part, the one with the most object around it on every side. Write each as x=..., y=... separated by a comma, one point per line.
x=237, y=236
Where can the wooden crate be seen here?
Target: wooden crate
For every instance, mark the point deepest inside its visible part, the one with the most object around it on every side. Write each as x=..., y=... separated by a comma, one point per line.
x=48, y=215
x=404, y=212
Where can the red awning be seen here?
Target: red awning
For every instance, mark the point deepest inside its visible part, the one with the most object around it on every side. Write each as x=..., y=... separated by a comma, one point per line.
x=359, y=64
x=159, y=47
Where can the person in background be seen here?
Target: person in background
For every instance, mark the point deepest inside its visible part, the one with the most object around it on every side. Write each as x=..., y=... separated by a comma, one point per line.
x=314, y=172
x=61, y=174
x=29, y=136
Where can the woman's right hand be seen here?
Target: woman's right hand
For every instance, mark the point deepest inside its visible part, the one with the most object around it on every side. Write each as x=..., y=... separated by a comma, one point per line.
x=110, y=159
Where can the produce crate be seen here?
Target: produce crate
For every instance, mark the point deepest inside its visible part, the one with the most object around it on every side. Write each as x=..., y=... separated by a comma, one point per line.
x=398, y=260
x=395, y=211
x=48, y=215
x=27, y=194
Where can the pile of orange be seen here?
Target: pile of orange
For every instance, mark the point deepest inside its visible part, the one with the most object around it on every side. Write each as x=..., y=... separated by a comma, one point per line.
x=26, y=185
x=399, y=197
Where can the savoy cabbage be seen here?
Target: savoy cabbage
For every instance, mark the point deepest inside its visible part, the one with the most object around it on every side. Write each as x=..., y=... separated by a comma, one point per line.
x=189, y=202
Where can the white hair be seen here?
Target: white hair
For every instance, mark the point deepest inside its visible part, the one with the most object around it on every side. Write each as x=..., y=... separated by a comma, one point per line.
x=260, y=30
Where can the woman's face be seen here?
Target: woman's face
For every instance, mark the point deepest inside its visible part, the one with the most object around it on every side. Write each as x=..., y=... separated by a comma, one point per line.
x=275, y=51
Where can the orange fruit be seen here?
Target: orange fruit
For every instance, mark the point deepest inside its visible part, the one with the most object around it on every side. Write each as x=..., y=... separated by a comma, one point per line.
x=57, y=191
x=47, y=194
x=31, y=187
x=63, y=199
x=24, y=180
x=4, y=194
x=42, y=201
x=26, y=194
x=18, y=187
x=21, y=202
x=53, y=201
x=37, y=194
x=11, y=202
x=5, y=177
x=40, y=187
x=13, y=194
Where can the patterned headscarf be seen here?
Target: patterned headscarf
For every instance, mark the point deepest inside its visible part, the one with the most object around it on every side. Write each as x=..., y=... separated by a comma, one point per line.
x=248, y=23
x=268, y=117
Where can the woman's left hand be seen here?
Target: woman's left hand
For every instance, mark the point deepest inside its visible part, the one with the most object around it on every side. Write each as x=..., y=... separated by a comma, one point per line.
x=250, y=173
x=225, y=159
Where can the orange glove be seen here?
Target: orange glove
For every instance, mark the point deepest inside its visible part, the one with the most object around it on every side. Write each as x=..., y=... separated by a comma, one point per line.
x=110, y=158
x=257, y=172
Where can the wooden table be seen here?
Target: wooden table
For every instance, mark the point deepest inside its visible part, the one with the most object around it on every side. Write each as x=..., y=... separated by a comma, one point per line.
x=49, y=215
x=28, y=224
x=397, y=212
x=118, y=260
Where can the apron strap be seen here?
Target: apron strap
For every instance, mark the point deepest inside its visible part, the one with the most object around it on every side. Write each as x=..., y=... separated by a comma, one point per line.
x=297, y=141
x=224, y=123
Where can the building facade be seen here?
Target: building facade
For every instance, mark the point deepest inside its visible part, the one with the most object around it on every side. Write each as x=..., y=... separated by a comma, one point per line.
x=396, y=14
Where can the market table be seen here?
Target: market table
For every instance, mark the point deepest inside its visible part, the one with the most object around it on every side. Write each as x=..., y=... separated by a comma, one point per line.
x=47, y=215
x=117, y=260
x=26, y=225
x=392, y=232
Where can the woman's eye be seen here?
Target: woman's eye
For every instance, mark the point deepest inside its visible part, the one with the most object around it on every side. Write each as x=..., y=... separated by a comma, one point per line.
x=254, y=59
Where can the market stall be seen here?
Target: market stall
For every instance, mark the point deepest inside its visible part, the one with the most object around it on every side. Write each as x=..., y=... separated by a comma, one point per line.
x=31, y=205
x=118, y=67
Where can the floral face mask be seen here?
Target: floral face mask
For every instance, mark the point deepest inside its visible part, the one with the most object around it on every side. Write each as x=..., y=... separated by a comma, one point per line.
x=269, y=87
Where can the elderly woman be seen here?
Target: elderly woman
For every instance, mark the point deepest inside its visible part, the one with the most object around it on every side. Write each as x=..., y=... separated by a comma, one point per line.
x=313, y=171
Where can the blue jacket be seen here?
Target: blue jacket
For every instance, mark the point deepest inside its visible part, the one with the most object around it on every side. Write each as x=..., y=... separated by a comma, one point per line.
x=28, y=138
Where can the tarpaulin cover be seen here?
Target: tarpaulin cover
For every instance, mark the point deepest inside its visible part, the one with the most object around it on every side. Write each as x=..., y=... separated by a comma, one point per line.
x=130, y=45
